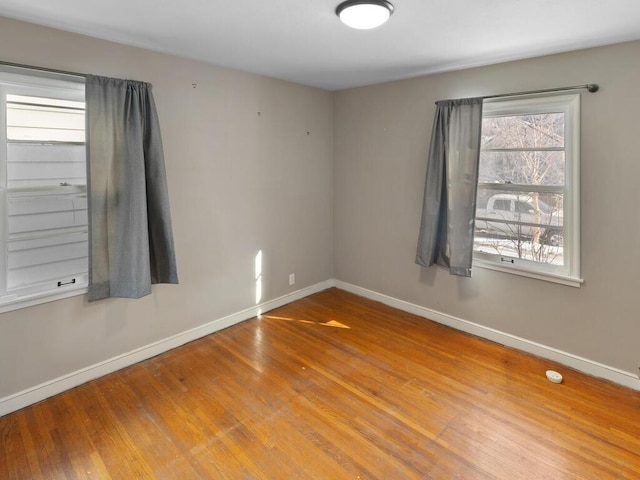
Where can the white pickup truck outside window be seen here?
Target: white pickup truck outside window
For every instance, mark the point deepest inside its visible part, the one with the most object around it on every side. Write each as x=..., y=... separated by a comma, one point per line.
x=527, y=211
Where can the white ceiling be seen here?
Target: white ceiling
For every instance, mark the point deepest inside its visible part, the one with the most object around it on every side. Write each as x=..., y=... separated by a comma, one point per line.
x=303, y=41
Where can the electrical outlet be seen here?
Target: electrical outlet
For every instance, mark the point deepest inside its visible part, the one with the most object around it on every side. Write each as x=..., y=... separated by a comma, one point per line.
x=292, y=279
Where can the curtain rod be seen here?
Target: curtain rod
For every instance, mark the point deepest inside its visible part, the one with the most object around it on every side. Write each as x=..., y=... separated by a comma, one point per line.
x=43, y=69
x=590, y=87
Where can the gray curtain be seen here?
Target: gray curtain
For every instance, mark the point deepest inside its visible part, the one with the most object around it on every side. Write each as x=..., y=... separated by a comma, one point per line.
x=448, y=212
x=130, y=235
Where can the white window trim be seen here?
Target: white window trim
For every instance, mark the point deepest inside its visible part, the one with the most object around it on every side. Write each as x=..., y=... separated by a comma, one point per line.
x=67, y=87
x=14, y=302
x=570, y=274
x=514, y=270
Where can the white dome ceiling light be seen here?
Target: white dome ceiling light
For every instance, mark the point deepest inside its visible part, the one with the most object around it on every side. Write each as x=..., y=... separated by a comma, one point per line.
x=364, y=14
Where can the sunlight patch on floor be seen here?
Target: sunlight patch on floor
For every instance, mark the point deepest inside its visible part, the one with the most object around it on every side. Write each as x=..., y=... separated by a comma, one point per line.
x=330, y=323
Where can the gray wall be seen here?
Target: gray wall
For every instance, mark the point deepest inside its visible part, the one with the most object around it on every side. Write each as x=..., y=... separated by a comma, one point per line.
x=238, y=183
x=381, y=136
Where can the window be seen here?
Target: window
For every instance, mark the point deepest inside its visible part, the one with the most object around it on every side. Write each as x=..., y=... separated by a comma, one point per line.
x=527, y=217
x=43, y=197
x=500, y=204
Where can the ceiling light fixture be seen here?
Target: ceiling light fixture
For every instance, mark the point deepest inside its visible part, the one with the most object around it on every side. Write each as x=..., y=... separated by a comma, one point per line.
x=364, y=14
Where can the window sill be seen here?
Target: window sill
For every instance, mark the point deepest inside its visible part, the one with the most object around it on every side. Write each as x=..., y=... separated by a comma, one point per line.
x=14, y=302
x=548, y=277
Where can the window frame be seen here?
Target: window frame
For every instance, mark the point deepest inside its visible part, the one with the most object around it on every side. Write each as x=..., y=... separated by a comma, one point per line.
x=38, y=84
x=569, y=273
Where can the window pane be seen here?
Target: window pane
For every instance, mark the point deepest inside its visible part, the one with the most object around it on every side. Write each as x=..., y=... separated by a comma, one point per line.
x=524, y=131
x=47, y=237
x=31, y=165
x=525, y=225
x=528, y=168
x=44, y=120
x=46, y=259
x=41, y=214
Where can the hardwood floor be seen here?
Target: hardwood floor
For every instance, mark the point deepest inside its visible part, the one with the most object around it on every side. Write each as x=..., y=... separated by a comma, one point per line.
x=331, y=387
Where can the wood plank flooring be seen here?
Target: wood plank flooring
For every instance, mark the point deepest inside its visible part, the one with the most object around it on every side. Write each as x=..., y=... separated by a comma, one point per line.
x=333, y=386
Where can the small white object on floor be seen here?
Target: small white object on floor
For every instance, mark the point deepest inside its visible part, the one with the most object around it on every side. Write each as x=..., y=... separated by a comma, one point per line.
x=554, y=376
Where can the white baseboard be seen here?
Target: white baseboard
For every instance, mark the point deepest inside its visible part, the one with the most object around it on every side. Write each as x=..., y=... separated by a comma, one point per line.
x=45, y=390
x=584, y=365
